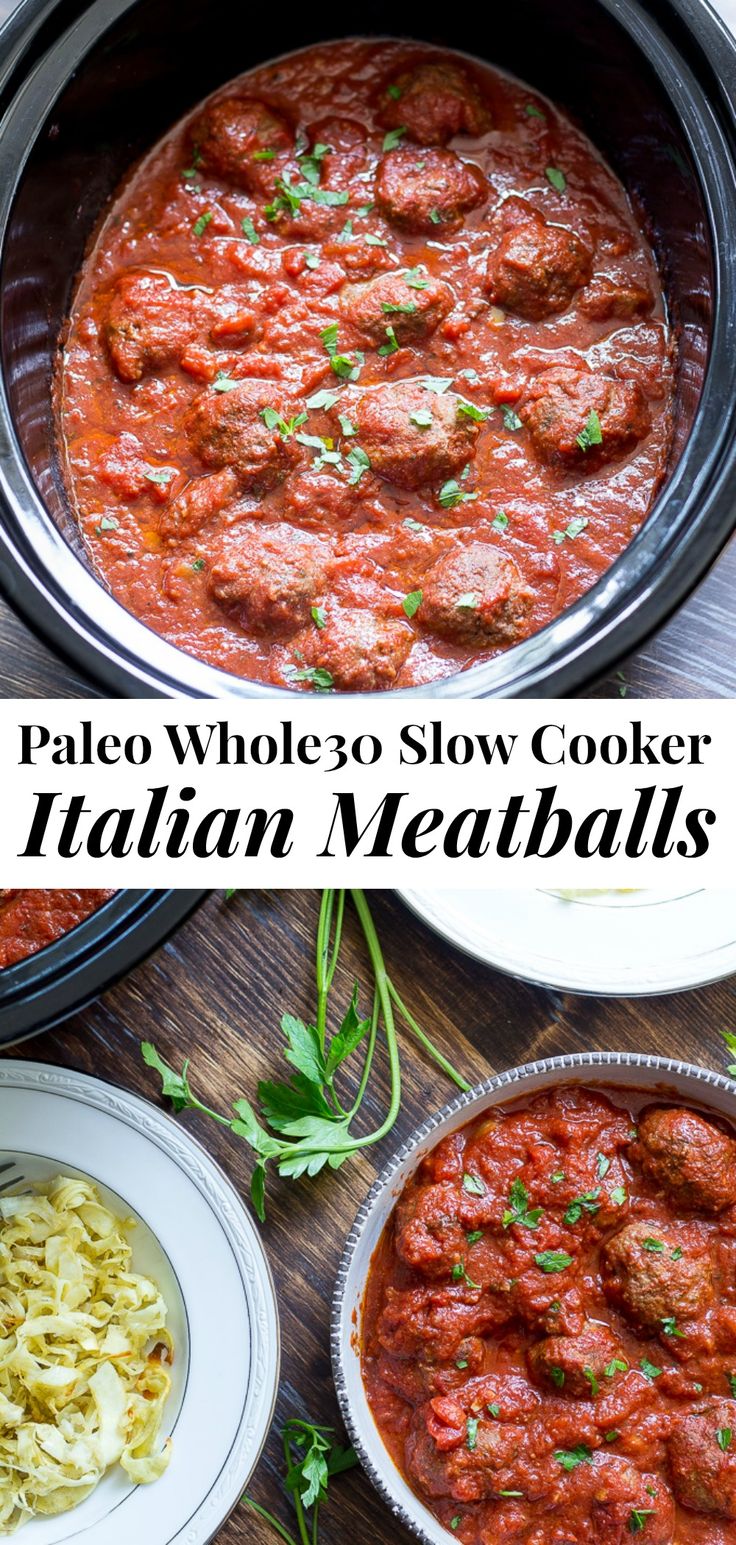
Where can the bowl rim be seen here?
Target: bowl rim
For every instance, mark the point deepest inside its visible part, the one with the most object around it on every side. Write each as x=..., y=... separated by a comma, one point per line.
x=511, y=1081
x=50, y=585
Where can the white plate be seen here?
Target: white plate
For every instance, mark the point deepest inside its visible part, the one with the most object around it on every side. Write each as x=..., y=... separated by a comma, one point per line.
x=195, y=1238
x=613, y=943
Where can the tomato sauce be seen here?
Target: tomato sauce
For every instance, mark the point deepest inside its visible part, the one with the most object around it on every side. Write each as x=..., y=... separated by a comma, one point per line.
x=549, y=1330
x=29, y=920
x=368, y=374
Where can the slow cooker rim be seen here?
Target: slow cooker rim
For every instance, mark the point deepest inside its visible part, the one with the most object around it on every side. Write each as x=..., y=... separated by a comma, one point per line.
x=581, y=639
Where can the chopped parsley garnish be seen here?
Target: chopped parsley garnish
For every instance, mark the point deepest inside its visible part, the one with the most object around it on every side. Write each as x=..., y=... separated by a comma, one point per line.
x=346, y=232
x=415, y=279
x=359, y=462
x=592, y=434
x=649, y=1370
x=451, y=494
x=250, y=231
x=654, y=1246
x=576, y=525
x=263, y=155
x=311, y=259
x=198, y=565
x=223, y=382
x=511, y=419
x=611, y=1436
x=347, y=426
x=638, y=1518
x=473, y=1183
x=394, y=91
x=391, y=345
x=410, y=605
x=422, y=418
x=437, y=384
x=592, y=1380
x=669, y=1326
x=732, y=1382
x=602, y=1166
x=273, y=420
x=518, y=1210
x=478, y=1234
x=326, y=455
x=723, y=1437
x=556, y=178
x=570, y=1458
x=394, y=138
x=494, y=1410
x=618, y=1196
x=435, y=216
x=468, y=602
x=532, y=111
x=467, y=409
x=374, y=241
x=459, y=1274
x=500, y=521
x=471, y=1434
x=322, y=399
x=347, y=366
x=319, y=616
x=200, y=225
x=588, y=1203
x=290, y=196
x=160, y=475
x=406, y=310
x=616, y=1365
x=328, y=337
x=676, y=1254
x=553, y=1261
x=557, y=1376
x=461, y=1364
x=557, y=1178
x=413, y=525
x=455, y=1522
x=108, y=523
x=315, y=675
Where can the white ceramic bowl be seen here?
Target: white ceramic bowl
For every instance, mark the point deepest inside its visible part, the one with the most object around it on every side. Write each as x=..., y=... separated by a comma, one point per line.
x=618, y=1070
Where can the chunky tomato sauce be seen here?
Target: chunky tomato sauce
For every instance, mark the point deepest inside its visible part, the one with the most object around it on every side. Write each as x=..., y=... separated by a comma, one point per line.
x=29, y=920
x=368, y=375
x=550, y=1326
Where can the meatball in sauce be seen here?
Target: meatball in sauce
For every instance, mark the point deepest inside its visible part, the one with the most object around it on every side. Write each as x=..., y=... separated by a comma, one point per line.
x=549, y=1325
x=385, y=297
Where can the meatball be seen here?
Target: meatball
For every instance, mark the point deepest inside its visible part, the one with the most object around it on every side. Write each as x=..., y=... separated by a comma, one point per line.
x=536, y=268
x=413, y=436
x=412, y=310
x=605, y=298
x=611, y=1500
x=476, y=595
x=203, y=498
x=428, y=192
x=687, y=1157
x=226, y=429
x=703, y=1465
x=433, y=102
x=268, y=577
x=573, y=1364
x=579, y=420
x=647, y=1277
x=238, y=138
x=458, y=1471
x=430, y=1236
x=362, y=653
x=150, y=322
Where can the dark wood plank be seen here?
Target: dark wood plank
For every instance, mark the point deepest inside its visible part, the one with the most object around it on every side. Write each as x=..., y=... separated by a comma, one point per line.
x=693, y=656
x=216, y=992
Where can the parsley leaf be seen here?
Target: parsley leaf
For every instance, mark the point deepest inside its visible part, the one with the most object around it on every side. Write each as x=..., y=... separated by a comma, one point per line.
x=518, y=1210
x=411, y=604
x=550, y=1261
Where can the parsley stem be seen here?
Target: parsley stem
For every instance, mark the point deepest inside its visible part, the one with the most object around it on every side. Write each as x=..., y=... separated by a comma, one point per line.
x=298, y=1504
x=429, y=1046
x=269, y=1519
x=328, y=950
x=369, y=1055
x=387, y=1012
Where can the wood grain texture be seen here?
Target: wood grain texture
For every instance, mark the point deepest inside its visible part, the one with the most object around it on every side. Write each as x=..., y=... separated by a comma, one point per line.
x=216, y=993
x=692, y=656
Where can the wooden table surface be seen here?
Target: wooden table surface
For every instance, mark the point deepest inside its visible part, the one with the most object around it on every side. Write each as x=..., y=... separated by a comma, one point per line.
x=216, y=992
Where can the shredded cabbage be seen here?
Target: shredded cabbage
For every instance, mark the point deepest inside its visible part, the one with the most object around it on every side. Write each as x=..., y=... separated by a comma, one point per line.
x=83, y=1353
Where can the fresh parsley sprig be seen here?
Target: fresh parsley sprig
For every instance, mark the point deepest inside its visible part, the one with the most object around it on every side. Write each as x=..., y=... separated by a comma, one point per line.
x=312, y=1459
x=304, y=1124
